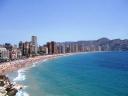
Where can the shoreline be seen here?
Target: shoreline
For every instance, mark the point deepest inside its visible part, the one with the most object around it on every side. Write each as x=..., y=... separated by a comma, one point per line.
x=12, y=66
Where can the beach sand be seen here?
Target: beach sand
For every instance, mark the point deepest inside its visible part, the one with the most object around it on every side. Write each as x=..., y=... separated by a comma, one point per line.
x=11, y=66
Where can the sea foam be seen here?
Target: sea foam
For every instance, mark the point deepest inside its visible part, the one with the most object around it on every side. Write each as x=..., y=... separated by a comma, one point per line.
x=22, y=93
x=21, y=75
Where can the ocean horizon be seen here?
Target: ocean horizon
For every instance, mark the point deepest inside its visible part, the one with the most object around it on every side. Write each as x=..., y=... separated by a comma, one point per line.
x=86, y=74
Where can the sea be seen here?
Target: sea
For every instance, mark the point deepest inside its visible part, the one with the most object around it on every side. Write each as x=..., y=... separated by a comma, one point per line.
x=84, y=74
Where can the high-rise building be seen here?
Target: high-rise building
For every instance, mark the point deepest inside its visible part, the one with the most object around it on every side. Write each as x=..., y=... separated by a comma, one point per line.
x=52, y=48
x=13, y=54
x=8, y=46
x=43, y=50
x=26, y=49
x=34, y=44
x=4, y=54
x=76, y=47
x=19, y=54
x=21, y=47
x=49, y=47
x=59, y=48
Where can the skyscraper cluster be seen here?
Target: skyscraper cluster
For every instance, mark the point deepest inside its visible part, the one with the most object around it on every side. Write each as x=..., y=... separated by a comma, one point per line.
x=25, y=49
x=30, y=48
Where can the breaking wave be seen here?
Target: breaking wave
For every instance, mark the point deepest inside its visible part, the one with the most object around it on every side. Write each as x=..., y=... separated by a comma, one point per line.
x=22, y=93
x=21, y=77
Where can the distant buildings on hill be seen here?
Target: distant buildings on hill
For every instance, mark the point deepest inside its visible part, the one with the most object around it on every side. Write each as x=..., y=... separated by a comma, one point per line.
x=31, y=48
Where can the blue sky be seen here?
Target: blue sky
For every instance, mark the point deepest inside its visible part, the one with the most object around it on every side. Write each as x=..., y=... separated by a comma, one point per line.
x=62, y=20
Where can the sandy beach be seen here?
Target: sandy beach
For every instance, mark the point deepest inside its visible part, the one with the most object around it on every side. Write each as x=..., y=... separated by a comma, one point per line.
x=11, y=66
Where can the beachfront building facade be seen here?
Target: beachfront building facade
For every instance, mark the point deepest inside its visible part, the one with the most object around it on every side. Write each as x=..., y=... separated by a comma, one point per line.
x=8, y=46
x=43, y=50
x=19, y=54
x=49, y=46
x=13, y=54
x=4, y=54
x=26, y=49
x=60, y=48
x=52, y=47
x=29, y=49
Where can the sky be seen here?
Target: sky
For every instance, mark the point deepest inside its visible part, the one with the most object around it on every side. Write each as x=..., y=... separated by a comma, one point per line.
x=62, y=20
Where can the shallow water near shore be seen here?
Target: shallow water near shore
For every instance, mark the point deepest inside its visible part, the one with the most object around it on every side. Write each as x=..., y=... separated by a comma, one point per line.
x=89, y=74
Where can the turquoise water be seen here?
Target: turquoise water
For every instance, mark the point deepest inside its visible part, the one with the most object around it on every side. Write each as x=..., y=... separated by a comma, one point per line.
x=91, y=74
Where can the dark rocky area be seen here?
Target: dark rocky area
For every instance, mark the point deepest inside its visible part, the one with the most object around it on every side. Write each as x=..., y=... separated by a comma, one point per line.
x=6, y=87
